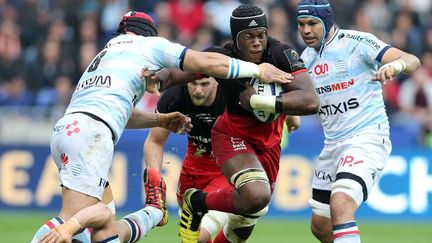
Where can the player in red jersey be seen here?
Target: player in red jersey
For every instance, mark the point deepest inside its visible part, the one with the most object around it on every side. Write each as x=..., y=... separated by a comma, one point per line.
x=202, y=101
x=246, y=150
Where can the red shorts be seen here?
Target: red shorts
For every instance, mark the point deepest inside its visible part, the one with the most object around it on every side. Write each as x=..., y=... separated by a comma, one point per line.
x=200, y=178
x=226, y=146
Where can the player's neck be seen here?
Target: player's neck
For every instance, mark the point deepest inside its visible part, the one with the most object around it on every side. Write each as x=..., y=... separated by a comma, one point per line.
x=329, y=37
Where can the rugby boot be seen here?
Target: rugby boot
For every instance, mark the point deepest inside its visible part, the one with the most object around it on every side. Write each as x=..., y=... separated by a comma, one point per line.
x=190, y=219
x=155, y=190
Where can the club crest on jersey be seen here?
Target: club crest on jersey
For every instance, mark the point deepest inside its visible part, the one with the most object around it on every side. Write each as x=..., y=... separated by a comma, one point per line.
x=72, y=128
x=293, y=59
x=238, y=144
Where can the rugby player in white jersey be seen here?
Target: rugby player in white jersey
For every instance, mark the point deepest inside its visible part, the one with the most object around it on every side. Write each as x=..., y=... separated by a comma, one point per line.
x=345, y=66
x=102, y=106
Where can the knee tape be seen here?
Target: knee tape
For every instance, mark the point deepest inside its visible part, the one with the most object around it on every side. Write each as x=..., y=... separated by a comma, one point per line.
x=349, y=187
x=213, y=221
x=257, y=214
x=248, y=175
x=319, y=208
x=239, y=227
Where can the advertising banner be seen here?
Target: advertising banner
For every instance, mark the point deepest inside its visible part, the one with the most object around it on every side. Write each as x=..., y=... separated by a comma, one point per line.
x=29, y=178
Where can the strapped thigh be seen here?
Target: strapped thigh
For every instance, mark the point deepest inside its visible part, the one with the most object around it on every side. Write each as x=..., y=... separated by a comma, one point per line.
x=248, y=175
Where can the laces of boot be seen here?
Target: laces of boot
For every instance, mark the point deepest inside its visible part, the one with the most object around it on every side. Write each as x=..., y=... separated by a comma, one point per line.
x=152, y=192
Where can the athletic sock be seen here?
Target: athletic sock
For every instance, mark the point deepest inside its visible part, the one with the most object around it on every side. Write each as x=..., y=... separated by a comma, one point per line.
x=213, y=200
x=346, y=233
x=142, y=221
x=198, y=200
x=54, y=222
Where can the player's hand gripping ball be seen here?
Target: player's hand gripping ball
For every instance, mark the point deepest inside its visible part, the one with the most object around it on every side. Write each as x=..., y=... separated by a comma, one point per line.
x=261, y=88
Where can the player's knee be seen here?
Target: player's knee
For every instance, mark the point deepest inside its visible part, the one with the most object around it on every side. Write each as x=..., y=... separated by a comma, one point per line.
x=256, y=201
x=254, y=189
x=104, y=216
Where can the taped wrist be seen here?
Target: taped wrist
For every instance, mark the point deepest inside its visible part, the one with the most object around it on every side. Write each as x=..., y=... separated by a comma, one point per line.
x=399, y=66
x=267, y=103
x=71, y=226
x=242, y=69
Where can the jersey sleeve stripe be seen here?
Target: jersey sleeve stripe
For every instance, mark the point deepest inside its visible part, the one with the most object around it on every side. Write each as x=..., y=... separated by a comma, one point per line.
x=299, y=71
x=182, y=57
x=381, y=54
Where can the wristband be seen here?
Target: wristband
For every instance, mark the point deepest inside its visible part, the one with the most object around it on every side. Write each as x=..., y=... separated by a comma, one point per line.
x=242, y=69
x=279, y=104
x=265, y=103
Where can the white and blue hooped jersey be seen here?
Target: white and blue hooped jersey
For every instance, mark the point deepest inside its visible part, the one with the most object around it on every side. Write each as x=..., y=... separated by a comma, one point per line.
x=350, y=101
x=111, y=85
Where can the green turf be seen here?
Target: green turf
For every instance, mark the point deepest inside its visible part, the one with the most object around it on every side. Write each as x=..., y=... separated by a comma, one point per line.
x=19, y=227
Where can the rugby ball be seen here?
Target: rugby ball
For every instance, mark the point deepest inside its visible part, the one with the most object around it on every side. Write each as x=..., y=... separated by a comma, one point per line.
x=261, y=88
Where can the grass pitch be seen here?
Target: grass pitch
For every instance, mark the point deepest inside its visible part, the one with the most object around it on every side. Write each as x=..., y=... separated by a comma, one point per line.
x=19, y=227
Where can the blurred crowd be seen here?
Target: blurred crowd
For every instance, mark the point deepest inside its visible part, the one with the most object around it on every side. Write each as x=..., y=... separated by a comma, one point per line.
x=45, y=45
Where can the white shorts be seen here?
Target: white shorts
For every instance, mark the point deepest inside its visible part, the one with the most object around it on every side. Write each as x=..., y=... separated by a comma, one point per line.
x=82, y=149
x=360, y=158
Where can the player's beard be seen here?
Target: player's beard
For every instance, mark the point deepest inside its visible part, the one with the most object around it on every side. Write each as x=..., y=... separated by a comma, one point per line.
x=199, y=101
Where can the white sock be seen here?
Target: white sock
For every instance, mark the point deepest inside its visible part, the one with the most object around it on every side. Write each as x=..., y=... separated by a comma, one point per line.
x=54, y=222
x=142, y=221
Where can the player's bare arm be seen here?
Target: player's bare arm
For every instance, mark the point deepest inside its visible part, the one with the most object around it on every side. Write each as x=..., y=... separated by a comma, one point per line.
x=299, y=98
x=168, y=77
x=174, y=121
x=394, y=62
x=221, y=66
x=153, y=147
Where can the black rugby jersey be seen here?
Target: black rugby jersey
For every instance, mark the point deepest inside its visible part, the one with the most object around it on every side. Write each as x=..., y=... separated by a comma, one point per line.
x=279, y=54
x=177, y=99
